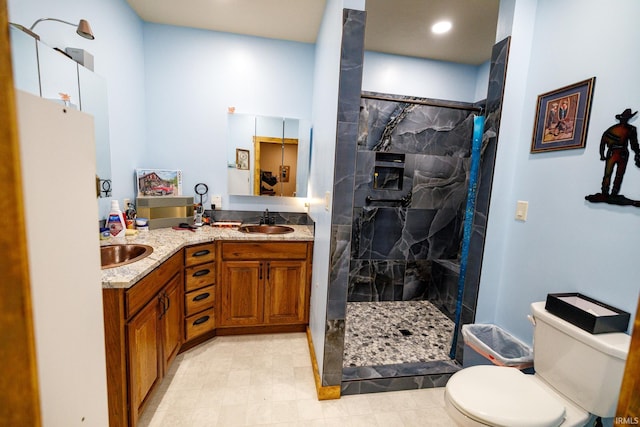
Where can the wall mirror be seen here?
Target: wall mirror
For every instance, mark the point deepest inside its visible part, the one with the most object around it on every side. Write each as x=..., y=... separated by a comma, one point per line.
x=268, y=156
x=43, y=71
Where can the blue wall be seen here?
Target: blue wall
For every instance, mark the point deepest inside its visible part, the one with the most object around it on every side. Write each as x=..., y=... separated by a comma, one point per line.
x=403, y=75
x=193, y=76
x=118, y=57
x=567, y=244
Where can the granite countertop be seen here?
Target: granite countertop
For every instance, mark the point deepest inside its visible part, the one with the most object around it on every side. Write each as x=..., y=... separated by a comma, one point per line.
x=166, y=242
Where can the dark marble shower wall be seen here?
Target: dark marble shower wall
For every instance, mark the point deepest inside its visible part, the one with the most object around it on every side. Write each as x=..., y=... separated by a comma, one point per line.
x=412, y=169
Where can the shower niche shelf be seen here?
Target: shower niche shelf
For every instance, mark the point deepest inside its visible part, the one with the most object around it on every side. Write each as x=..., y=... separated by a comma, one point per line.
x=388, y=171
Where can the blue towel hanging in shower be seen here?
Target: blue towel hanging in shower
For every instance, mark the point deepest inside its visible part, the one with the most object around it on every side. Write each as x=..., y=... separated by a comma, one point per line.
x=476, y=145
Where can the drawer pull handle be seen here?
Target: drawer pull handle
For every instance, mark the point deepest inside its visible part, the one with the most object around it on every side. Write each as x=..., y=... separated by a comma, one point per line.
x=200, y=320
x=201, y=272
x=202, y=252
x=201, y=296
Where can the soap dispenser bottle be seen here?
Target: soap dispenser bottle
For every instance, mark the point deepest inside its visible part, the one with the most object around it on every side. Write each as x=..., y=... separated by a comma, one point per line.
x=115, y=221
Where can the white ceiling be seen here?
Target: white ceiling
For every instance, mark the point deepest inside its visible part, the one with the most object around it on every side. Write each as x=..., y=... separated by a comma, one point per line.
x=393, y=26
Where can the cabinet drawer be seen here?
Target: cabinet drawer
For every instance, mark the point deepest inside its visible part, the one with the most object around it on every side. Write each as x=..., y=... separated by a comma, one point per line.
x=199, y=254
x=198, y=324
x=199, y=276
x=140, y=293
x=199, y=300
x=257, y=250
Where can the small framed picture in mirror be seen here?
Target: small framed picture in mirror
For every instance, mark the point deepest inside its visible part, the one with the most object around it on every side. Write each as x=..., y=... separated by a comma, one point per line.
x=284, y=173
x=242, y=159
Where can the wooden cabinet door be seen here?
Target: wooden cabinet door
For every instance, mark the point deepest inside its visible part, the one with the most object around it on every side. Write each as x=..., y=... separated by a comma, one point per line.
x=242, y=293
x=171, y=320
x=285, y=293
x=144, y=358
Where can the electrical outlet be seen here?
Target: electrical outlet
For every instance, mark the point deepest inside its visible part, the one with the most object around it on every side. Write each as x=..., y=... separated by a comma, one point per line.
x=327, y=200
x=217, y=201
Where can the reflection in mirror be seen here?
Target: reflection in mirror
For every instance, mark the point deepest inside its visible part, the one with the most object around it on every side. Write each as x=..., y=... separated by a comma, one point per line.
x=24, y=61
x=268, y=156
x=93, y=100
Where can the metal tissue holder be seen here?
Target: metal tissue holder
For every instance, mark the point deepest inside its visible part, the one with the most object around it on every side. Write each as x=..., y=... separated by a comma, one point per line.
x=587, y=313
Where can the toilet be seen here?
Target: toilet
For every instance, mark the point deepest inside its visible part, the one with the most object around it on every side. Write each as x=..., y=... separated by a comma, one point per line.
x=577, y=376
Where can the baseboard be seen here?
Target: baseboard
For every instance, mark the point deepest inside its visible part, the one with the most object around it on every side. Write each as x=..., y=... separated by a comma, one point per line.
x=323, y=392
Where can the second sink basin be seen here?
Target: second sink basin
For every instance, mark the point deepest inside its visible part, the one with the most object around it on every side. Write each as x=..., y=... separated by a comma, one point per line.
x=118, y=255
x=266, y=229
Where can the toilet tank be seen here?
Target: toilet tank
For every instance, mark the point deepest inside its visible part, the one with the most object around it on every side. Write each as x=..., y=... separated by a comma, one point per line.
x=584, y=367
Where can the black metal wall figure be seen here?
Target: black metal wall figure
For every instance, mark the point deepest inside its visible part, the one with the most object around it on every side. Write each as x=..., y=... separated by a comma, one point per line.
x=616, y=139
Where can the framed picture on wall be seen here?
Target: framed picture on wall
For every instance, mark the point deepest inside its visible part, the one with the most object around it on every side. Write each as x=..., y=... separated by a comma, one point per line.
x=562, y=118
x=159, y=182
x=242, y=159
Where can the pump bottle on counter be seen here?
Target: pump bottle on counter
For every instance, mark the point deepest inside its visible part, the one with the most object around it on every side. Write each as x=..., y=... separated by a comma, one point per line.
x=115, y=221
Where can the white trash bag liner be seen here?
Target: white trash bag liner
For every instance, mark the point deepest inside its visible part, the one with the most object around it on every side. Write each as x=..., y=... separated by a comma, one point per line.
x=497, y=345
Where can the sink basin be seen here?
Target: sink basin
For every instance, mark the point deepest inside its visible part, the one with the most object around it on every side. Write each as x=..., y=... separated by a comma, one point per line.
x=118, y=255
x=266, y=229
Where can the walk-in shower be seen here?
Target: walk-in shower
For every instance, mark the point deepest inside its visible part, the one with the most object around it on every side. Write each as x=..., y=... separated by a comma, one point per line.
x=412, y=177
x=350, y=260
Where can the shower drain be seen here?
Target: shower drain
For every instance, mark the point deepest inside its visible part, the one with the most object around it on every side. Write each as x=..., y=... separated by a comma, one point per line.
x=405, y=332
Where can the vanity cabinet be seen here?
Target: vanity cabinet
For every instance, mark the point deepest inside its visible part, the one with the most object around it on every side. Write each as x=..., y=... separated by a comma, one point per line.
x=264, y=284
x=199, y=291
x=154, y=337
x=143, y=334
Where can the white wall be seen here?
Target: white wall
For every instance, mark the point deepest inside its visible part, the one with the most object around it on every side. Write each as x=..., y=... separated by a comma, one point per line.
x=192, y=77
x=567, y=244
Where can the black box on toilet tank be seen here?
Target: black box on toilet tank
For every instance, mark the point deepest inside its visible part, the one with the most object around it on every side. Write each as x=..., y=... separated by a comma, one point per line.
x=587, y=313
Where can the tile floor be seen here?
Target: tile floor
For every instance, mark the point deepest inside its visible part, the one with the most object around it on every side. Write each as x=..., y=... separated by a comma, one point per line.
x=267, y=380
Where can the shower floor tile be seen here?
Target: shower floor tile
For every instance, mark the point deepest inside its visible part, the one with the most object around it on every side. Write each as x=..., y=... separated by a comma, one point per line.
x=394, y=332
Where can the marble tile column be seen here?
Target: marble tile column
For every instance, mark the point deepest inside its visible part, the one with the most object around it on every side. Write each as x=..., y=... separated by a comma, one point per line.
x=351, y=61
x=497, y=76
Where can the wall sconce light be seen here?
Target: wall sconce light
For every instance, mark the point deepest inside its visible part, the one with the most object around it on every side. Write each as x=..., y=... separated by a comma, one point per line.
x=82, y=28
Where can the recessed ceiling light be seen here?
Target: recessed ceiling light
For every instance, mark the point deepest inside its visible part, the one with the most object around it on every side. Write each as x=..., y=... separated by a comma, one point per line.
x=441, y=27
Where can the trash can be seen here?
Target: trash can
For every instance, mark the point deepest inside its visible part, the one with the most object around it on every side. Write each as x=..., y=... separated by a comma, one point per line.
x=487, y=344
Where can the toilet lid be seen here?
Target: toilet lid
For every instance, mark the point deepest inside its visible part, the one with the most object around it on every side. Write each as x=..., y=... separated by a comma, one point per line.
x=503, y=396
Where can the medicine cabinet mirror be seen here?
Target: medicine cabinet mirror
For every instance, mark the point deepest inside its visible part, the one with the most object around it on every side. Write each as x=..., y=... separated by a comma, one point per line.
x=268, y=156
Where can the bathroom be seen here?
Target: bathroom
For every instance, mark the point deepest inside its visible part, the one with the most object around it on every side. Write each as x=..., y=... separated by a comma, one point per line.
x=564, y=246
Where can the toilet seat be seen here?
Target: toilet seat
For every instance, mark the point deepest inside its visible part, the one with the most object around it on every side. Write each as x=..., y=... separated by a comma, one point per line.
x=500, y=396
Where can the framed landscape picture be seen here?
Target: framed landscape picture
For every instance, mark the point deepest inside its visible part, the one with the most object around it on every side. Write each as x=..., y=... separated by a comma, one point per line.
x=159, y=182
